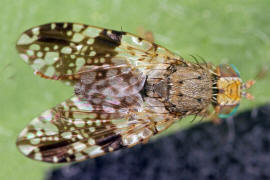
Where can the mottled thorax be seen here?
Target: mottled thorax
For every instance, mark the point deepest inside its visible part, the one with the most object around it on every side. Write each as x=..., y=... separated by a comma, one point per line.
x=184, y=89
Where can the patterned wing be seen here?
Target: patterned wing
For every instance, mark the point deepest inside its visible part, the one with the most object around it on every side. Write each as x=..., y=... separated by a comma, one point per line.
x=76, y=130
x=112, y=81
x=60, y=50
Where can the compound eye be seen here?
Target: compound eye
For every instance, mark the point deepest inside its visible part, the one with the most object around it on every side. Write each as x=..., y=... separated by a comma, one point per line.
x=227, y=111
x=235, y=69
x=226, y=70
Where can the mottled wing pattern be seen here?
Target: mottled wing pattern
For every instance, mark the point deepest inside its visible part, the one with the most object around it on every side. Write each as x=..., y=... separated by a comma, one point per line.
x=112, y=81
x=60, y=50
x=109, y=69
x=76, y=130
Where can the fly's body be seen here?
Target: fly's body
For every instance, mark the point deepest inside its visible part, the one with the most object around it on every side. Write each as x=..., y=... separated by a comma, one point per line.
x=126, y=89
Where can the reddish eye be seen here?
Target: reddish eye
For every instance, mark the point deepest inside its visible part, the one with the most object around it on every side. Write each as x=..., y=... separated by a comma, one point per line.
x=226, y=70
x=227, y=111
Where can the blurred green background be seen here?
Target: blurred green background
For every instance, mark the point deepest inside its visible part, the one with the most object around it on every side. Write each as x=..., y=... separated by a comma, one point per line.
x=232, y=31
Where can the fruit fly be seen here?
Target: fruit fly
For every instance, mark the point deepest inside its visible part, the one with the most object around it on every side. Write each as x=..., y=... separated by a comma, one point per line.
x=126, y=90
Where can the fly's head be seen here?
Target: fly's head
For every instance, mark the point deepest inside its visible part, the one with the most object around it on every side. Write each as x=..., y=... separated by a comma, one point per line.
x=228, y=90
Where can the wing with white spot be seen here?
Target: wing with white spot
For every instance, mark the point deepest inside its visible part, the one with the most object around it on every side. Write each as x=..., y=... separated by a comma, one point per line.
x=76, y=130
x=60, y=50
x=112, y=81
